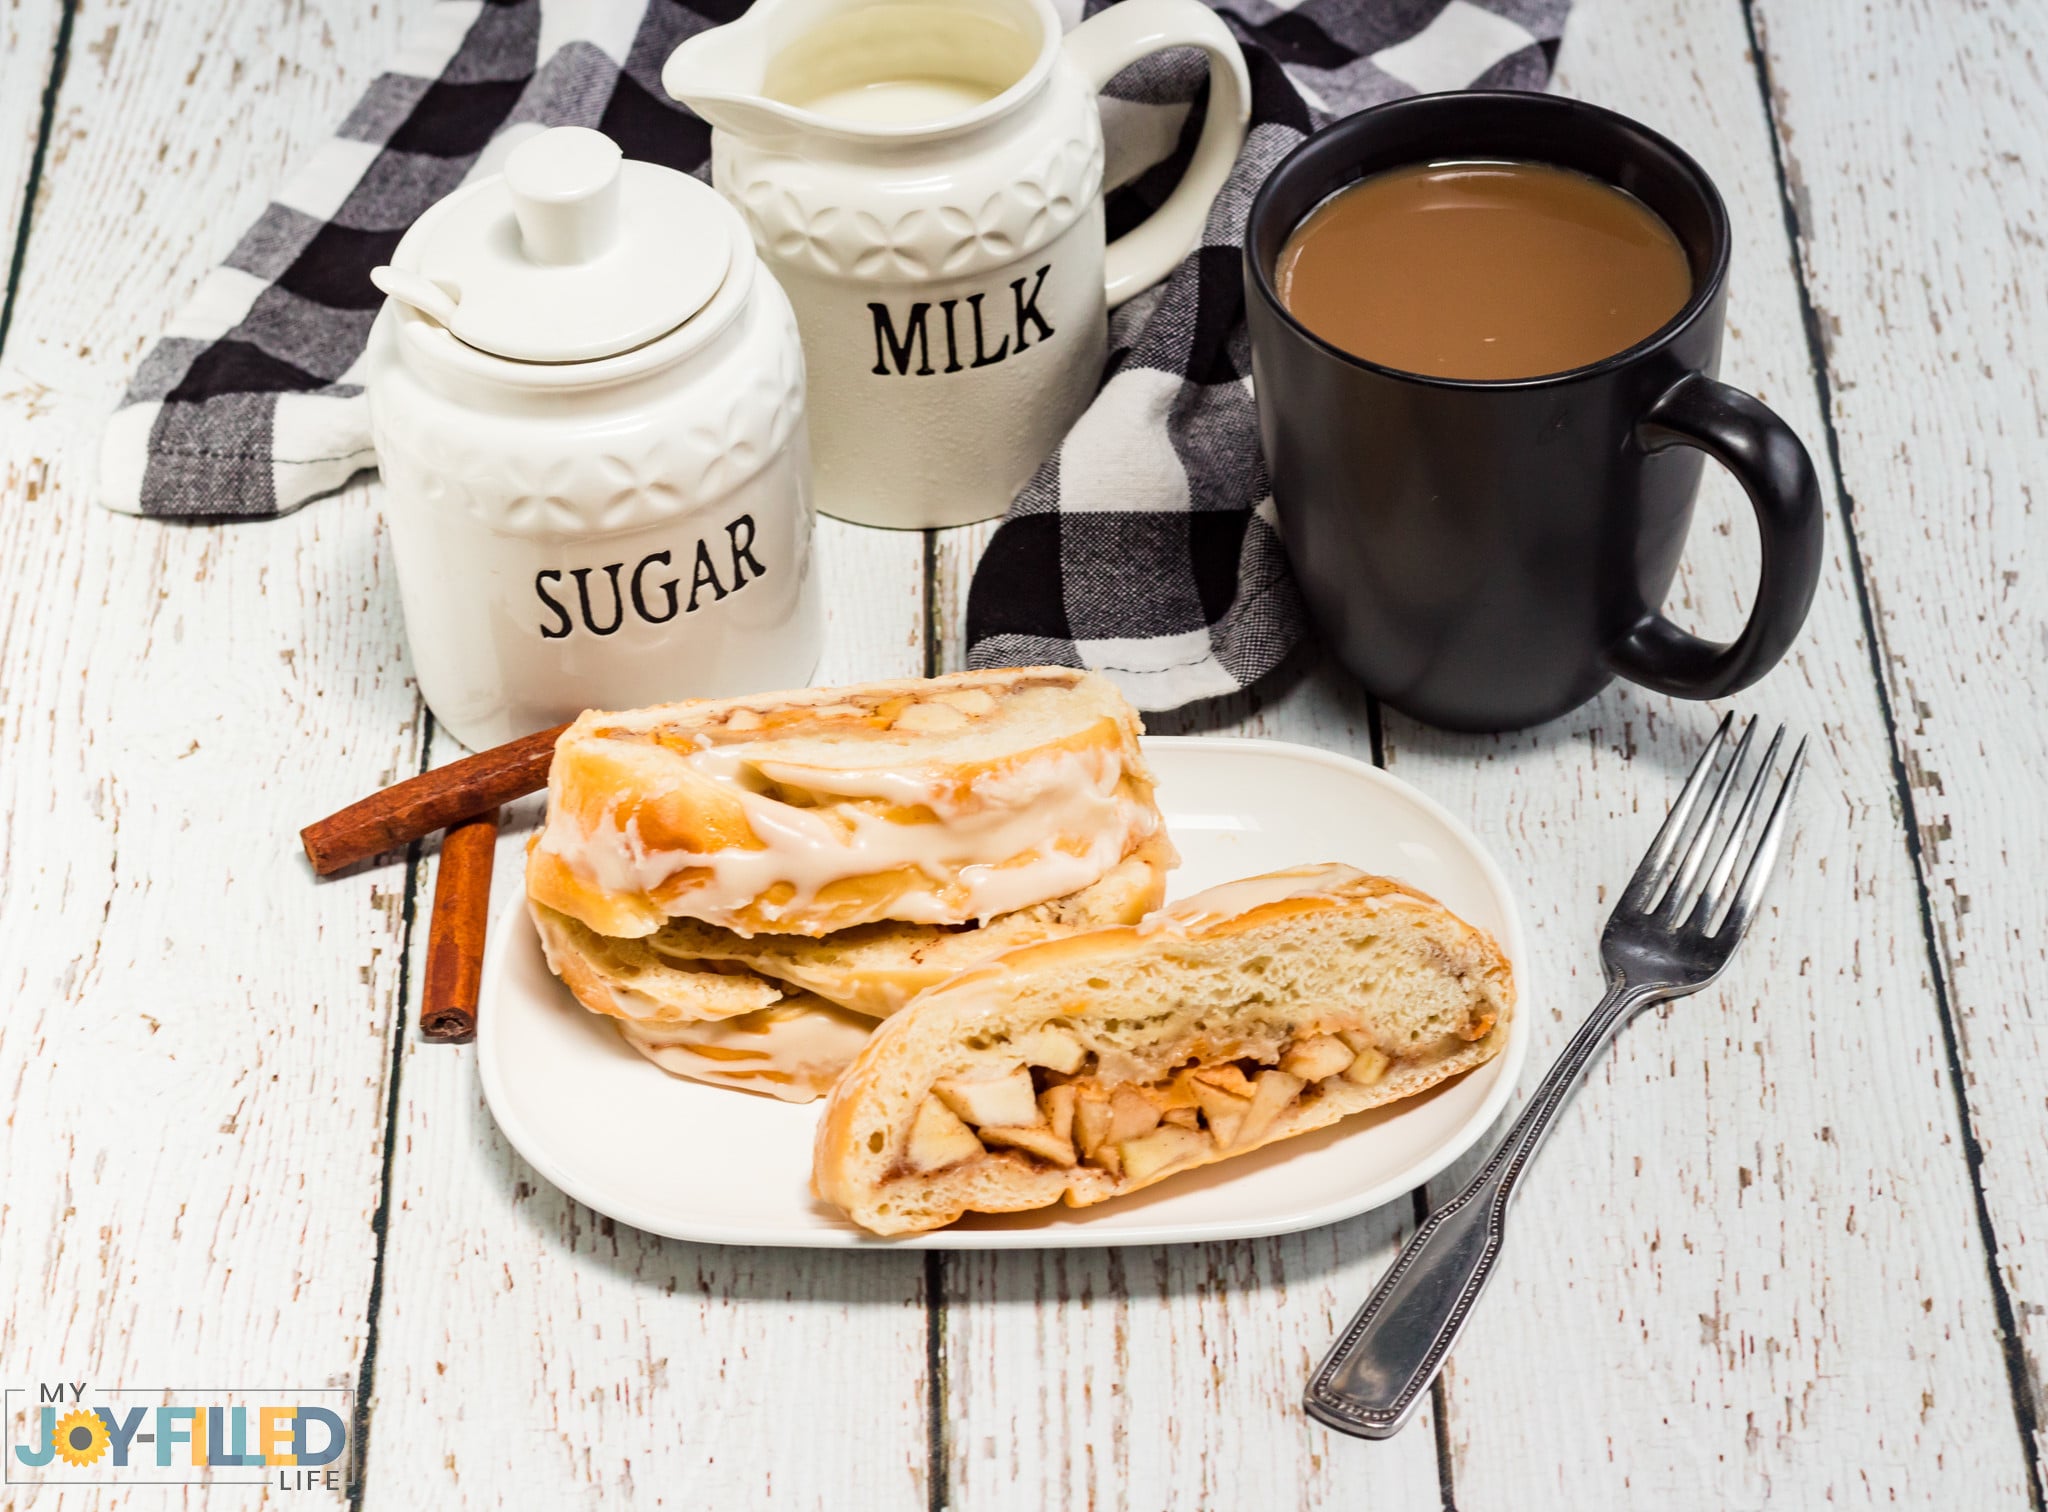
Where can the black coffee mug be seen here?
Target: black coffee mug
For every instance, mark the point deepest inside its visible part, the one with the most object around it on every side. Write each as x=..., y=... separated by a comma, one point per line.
x=1485, y=555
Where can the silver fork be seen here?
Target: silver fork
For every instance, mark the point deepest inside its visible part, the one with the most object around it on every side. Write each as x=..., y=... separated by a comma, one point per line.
x=1670, y=935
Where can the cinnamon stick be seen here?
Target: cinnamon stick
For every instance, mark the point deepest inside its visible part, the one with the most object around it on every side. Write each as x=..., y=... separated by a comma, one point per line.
x=455, y=932
x=418, y=806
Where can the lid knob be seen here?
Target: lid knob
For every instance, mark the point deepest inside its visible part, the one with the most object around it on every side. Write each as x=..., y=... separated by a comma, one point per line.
x=565, y=194
x=571, y=254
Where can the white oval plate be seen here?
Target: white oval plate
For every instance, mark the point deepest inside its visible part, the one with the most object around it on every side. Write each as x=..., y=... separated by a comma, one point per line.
x=710, y=1164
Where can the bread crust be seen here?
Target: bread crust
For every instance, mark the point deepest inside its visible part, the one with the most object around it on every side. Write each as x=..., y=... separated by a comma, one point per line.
x=634, y=981
x=1090, y=984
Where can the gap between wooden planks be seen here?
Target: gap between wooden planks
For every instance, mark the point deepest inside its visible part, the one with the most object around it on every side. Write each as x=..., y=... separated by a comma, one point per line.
x=35, y=43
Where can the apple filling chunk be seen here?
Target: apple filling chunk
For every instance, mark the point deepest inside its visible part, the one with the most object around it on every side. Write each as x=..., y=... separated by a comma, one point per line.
x=1223, y=1106
x=1130, y=1131
x=939, y=1139
x=1273, y=1092
x=1368, y=1062
x=1036, y=1140
x=1167, y=1146
x=1053, y=1047
x=992, y=1102
x=1316, y=1057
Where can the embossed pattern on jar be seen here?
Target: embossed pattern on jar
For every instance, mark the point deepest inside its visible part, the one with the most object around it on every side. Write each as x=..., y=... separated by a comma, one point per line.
x=797, y=218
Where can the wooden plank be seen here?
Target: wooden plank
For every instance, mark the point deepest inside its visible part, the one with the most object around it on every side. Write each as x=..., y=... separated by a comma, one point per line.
x=577, y=1362
x=1170, y=1375
x=29, y=52
x=195, y=1045
x=1747, y=1269
x=1909, y=135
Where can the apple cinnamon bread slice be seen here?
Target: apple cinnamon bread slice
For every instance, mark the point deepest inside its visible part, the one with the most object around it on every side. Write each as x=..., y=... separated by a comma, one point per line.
x=942, y=800
x=1083, y=1068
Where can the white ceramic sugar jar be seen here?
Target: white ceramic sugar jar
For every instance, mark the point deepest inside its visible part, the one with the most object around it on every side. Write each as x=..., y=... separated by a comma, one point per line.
x=587, y=398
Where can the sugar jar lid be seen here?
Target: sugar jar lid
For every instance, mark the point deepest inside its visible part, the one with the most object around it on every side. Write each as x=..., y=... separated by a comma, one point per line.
x=570, y=254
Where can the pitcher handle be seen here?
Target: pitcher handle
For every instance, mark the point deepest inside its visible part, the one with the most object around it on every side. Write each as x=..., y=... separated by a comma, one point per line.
x=1103, y=46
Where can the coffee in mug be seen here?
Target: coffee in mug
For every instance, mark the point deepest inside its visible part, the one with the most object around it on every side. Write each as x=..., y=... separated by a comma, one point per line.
x=1483, y=270
x=1487, y=547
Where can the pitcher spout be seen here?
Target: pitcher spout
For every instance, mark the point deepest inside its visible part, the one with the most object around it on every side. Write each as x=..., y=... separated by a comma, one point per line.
x=721, y=74
x=866, y=75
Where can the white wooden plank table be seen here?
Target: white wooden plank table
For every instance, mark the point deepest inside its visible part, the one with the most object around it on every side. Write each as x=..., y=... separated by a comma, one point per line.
x=1790, y=1247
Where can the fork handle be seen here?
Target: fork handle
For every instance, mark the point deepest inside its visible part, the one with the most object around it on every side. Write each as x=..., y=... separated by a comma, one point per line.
x=1371, y=1381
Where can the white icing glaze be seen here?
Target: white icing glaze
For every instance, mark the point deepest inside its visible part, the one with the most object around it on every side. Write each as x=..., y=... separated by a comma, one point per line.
x=997, y=841
x=791, y=1051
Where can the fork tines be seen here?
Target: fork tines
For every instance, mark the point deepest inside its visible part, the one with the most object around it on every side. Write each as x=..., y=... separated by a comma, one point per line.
x=1667, y=885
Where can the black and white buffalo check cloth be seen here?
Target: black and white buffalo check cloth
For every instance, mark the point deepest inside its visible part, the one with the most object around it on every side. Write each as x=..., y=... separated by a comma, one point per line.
x=1145, y=547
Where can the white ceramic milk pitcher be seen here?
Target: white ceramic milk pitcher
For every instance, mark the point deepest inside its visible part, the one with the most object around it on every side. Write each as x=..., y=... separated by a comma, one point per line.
x=925, y=179
x=587, y=399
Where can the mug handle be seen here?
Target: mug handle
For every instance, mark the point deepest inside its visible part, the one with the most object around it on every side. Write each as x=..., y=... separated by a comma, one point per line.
x=1102, y=47
x=1772, y=466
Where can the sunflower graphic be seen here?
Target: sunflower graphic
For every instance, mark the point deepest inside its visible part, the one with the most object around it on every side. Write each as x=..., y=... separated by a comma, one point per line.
x=81, y=1438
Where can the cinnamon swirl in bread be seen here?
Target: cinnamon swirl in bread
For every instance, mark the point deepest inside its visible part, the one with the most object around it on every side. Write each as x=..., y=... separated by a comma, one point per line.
x=1086, y=1067
x=940, y=801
